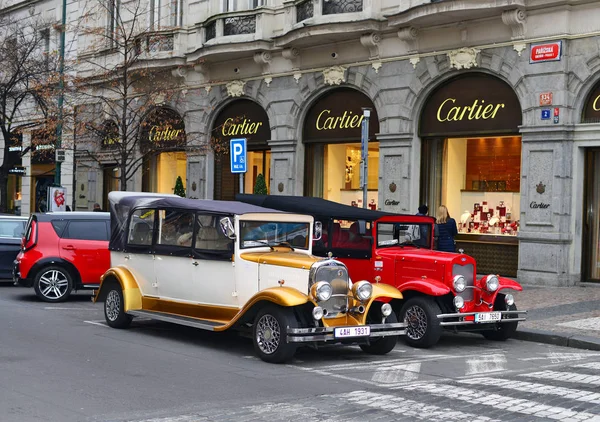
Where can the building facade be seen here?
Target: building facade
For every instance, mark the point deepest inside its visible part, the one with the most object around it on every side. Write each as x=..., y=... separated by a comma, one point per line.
x=489, y=107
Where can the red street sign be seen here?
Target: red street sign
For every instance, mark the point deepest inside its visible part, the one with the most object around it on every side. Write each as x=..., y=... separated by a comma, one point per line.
x=545, y=52
x=556, y=111
x=545, y=98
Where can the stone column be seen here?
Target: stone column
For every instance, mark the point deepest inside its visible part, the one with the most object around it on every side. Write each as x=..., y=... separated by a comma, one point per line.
x=283, y=167
x=394, y=172
x=545, y=238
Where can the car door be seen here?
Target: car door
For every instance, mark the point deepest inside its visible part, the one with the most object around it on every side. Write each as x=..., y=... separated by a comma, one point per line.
x=84, y=243
x=139, y=254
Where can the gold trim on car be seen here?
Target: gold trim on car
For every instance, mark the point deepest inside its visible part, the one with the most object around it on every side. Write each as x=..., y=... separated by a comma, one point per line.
x=281, y=256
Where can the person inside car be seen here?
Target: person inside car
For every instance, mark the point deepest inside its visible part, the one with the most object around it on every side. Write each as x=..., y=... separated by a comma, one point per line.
x=185, y=229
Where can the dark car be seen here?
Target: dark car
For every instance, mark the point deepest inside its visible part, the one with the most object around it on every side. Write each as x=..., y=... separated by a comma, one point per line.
x=12, y=228
x=63, y=251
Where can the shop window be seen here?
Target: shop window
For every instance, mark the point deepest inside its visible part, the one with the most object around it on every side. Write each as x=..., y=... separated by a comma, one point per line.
x=259, y=162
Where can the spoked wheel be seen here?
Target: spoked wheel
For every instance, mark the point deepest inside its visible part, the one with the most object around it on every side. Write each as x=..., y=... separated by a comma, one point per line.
x=423, y=327
x=114, y=308
x=504, y=330
x=382, y=345
x=53, y=284
x=270, y=334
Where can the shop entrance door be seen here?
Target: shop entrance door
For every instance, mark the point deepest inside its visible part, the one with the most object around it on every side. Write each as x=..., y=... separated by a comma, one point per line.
x=591, y=217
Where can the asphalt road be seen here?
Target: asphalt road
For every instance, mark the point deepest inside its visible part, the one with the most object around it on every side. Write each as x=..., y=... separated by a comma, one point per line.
x=60, y=362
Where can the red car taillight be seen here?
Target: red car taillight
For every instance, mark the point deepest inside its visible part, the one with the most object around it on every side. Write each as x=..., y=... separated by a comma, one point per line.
x=30, y=237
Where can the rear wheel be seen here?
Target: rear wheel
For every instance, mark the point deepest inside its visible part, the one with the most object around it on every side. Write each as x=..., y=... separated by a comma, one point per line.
x=53, y=284
x=383, y=345
x=270, y=334
x=114, y=309
x=423, y=328
x=504, y=330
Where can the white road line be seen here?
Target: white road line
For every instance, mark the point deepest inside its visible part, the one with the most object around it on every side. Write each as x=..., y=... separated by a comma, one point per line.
x=485, y=364
x=100, y=323
x=405, y=361
x=394, y=374
x=591, y=365
x=562, y=357
x=532, y=387
x=287, y=411
x=411, y=408
x=565, y=377
x=497, y=401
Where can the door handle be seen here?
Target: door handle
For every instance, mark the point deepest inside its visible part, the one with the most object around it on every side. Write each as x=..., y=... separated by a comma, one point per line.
x=195, y=263
x=69, y=247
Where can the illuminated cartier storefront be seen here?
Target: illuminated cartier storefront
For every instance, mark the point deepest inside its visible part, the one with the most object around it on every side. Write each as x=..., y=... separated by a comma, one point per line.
x=332, y=138
x=240, y=119
x=163, y=140
x=471, y=162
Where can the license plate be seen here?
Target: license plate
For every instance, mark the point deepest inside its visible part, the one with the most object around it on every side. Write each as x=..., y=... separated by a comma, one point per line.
x=488, y=317
x=344, y=332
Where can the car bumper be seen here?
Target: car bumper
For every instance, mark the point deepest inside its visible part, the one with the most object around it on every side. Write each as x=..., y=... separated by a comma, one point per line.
x=16, y=276
x=468, y=318
x=327, y=334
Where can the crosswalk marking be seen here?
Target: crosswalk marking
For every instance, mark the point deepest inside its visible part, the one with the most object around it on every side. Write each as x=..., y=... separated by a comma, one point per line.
x=486, y=363
x=565, y=376
x=591, y=365
x=411, y=408
x=498, y=401
x=394, y=374
x=532, y=387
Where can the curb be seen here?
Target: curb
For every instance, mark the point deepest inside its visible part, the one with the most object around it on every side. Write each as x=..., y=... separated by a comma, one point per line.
x=558, y=339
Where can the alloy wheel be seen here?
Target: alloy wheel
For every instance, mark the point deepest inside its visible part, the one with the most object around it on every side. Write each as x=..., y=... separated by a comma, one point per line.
x=113, y=305
x=53, y=284
x=268, y=334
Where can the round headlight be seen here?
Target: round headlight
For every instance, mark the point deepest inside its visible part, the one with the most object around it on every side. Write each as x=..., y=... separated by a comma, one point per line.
x=321, y=291
x=492, y=283
x=459, y=302
x=317, y=313
x=460, y=284
x=509, y=299
x=386, y=309
x=362, y=290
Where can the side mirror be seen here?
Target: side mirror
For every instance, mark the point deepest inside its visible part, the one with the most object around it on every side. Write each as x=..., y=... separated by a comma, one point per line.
x=318, y=230
x=227, y=227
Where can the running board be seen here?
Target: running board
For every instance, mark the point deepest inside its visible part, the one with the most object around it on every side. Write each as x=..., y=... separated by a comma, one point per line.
x=177, y=319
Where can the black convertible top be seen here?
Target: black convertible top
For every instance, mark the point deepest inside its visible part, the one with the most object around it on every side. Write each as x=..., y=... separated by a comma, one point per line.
x=317, y=207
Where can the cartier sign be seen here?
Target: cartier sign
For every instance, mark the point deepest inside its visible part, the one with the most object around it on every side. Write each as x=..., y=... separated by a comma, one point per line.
x=591, y=112
x=471, y=104
x=163, y=128
x=243, y=119
x=338, y=116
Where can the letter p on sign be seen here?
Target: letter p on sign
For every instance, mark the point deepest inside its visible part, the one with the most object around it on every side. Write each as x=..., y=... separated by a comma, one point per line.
x=237, y=148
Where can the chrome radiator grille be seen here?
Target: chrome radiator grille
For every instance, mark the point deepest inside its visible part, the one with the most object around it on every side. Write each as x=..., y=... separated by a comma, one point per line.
x=337, y=276
x=467, y=272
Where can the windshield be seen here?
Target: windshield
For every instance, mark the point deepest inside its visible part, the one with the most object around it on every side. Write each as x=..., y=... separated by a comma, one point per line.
x=256, y=234
x=404, y=234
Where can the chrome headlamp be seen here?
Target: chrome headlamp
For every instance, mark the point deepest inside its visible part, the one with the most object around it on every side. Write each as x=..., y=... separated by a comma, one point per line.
x=321, y=291
x=459, y=302
x=492, y=283
x=459, y=283
x=509, y=299
x=362, y=290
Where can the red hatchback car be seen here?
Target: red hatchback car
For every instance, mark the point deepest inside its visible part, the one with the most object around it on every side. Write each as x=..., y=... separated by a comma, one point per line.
x=63, y=251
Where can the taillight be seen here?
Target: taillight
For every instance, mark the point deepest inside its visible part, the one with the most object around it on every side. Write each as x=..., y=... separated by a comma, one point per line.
x=30, y=237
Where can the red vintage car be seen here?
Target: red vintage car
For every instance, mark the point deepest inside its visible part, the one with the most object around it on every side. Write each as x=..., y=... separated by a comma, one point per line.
x=441, y=290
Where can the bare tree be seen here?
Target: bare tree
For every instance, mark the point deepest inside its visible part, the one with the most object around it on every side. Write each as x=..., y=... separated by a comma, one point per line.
x=27, y=64
x=117, y=91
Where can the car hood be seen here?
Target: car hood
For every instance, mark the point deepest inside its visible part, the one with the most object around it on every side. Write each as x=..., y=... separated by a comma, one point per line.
x=283, y=258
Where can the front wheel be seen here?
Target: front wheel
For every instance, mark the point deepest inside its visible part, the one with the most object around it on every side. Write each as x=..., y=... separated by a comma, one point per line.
x=383, y=345
x=270, y=334
x=504, y=330
x=423, y=327
x=53, y=284
x=114, y=309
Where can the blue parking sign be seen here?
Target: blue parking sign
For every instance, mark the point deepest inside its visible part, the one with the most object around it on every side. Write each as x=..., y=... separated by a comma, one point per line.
x=237, y=149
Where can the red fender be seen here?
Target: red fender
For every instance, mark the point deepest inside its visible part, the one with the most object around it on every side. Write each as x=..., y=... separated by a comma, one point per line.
x=428, y=286
x=508, y=283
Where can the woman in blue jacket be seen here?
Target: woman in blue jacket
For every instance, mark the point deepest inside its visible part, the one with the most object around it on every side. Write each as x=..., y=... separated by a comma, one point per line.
x=445, y=230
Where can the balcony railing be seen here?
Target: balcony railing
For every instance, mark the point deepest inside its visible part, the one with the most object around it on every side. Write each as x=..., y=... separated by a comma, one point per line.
x=333, y=7
x=239, y=25
x=304, y=10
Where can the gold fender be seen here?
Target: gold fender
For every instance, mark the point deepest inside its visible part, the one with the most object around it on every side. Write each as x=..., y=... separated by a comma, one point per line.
x=132, y=297
x=380, y=291
x=282, y=296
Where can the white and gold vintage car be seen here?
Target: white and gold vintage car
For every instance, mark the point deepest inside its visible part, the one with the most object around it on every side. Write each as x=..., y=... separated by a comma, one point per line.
x=221, y=265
